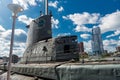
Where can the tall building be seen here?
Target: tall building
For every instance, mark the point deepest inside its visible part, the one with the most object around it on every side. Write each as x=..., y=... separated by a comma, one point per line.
x=81, y=47
x=97, y=44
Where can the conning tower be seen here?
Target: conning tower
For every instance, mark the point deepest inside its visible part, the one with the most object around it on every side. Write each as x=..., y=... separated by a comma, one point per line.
x=41, y=47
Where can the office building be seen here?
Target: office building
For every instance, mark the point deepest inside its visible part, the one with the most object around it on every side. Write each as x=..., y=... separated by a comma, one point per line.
x=97, y=44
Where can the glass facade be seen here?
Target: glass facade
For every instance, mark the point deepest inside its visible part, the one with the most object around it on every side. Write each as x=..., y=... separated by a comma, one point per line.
x=97, y=44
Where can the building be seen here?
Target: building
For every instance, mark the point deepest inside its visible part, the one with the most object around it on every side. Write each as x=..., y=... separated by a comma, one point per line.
x=81, y=47
x=118, y=49
x=97, y=44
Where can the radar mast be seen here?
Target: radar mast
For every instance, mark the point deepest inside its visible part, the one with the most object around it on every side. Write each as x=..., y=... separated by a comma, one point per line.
x=46, y=7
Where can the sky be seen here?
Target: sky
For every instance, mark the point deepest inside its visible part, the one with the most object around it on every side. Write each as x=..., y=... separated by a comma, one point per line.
x=70, y=17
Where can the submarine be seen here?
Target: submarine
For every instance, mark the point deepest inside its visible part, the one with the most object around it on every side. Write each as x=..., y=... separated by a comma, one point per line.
x=42, y=47
x=47, y=58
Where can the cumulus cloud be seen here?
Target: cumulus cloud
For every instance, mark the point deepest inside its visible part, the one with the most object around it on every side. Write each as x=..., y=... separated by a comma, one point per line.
x=1, y=29
x=19, y=36
x=64, y=34
x=53, y=4
x=55, y=23
x=19, y=48
x=25, y=19
x=87, y=46
x=60, y=9
x=110, y=22
x=116, y=33
x=64, y=17
x=25, y=3
x=19, y=42
x=5, y=47
x=82, y=28
x=85, y=36
x=111, y=44
x=81, y=19
x=84, y=18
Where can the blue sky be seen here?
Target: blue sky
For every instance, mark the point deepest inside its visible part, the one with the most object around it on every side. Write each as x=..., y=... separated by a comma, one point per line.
x=70, y=17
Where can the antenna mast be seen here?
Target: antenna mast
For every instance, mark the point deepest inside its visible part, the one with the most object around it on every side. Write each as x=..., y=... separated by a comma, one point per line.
x=46, y=7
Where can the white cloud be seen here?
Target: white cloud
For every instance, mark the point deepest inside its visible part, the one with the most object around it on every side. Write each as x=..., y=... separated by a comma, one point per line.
x=53, y=4
x=117, y=32
x=84, y=18
x=87, y=46
x=1, y=29
x=82, y=28
x=81, y=19
x=5, y=47
x=25, y=19
x=26, y=3
x=19, y=36
x=64, y=17
x=111, y=44
x=85, y=36
x=64, y=34
x=19, y=48
x=55, y=23
x=118, y=44
x=19, y=42
x=6, y=34
x=110, y=48
x=110, y=22
x=60, y=9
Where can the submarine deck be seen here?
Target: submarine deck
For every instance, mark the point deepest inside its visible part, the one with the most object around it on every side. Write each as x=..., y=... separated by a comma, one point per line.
x=70, y=70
